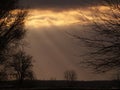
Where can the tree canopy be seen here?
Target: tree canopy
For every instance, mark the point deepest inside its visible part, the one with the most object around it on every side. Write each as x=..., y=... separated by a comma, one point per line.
x=12, y=32
x=105, y=45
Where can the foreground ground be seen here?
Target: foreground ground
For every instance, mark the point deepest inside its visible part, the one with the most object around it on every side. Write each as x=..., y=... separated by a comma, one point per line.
x=60, y=85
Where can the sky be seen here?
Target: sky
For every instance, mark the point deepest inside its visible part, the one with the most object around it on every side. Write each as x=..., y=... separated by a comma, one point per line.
x=54, y=50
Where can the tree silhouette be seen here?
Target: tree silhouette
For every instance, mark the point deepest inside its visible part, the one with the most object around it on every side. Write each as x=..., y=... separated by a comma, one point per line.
x=70, y=75
x=11, y=24
x=11, y=28
x=21, y=65
x=105, y=44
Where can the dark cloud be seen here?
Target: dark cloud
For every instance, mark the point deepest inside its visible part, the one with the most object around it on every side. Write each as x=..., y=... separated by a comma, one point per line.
x=58, y=4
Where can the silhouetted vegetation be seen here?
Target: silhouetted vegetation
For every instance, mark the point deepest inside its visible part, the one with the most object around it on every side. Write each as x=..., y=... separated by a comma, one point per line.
x=21, y=67
x=13, y=62
x=11, y=29
x=104, y=44
x=70, y=75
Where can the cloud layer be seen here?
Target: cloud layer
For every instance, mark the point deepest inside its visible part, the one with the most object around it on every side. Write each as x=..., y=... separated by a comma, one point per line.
x=58, y=4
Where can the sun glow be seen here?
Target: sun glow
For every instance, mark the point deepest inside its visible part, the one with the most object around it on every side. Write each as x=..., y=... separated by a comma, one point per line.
x=47, y=18
x=40, y=18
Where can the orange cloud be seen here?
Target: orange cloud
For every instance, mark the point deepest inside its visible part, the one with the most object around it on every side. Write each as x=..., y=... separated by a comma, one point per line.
x=47, y=18
x=39, y=18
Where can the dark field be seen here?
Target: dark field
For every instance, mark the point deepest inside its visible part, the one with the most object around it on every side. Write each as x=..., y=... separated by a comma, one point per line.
x=60, y=85
x=57, y=89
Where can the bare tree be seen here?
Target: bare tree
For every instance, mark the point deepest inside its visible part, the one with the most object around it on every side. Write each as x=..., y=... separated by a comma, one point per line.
x=105, y=44
x=70, y=75
x=11, y=28
x=21, y=66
